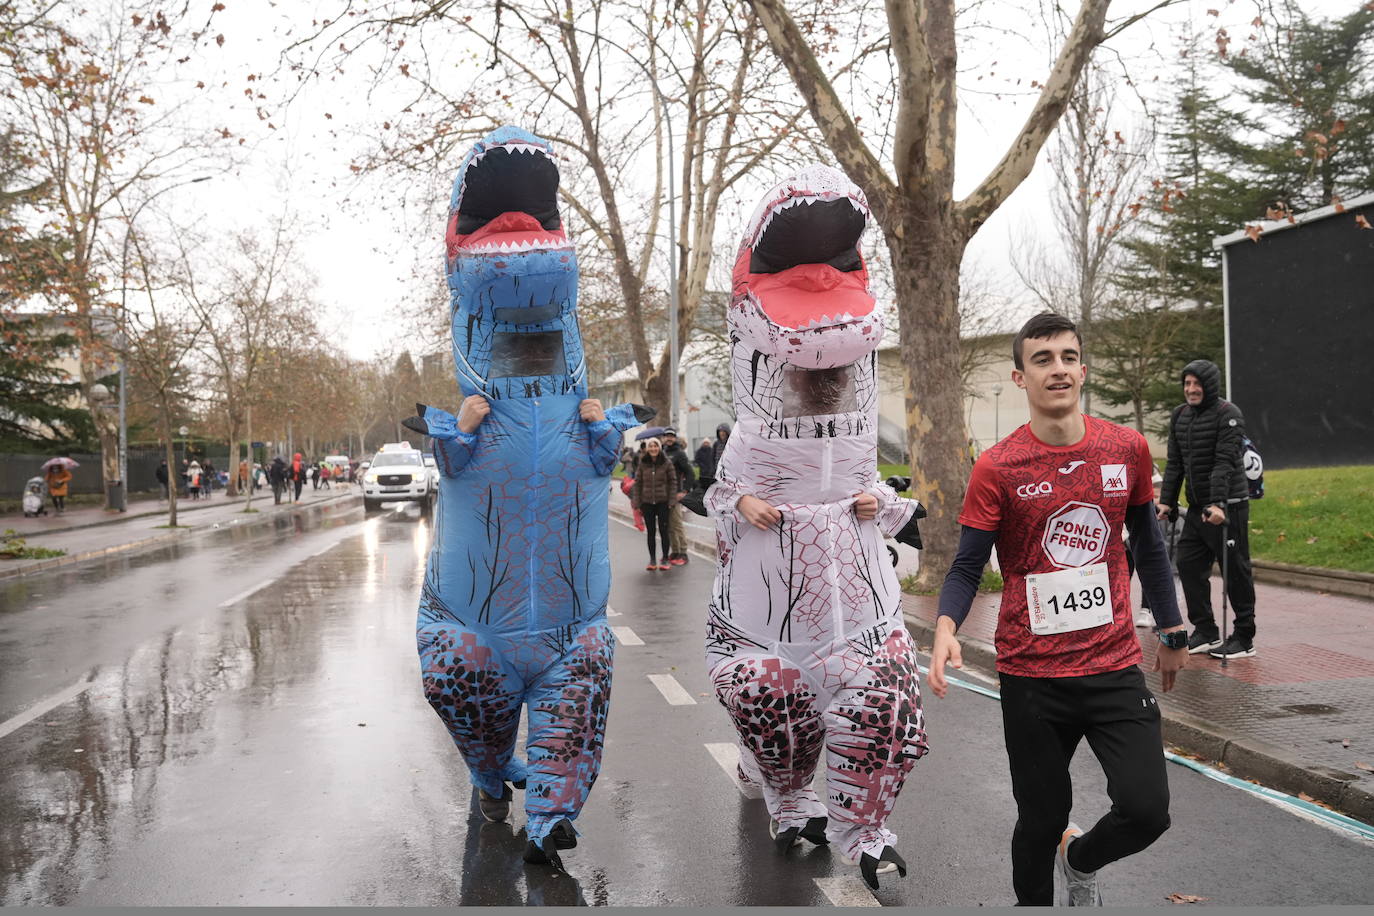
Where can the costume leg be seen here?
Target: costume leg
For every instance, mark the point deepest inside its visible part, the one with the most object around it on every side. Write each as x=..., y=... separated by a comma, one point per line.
x=567, y=714
x=777, y=718
x=875, y=733
x=477, y=694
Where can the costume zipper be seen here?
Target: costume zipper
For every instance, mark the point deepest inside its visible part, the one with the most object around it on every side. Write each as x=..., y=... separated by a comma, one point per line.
x=531, y=496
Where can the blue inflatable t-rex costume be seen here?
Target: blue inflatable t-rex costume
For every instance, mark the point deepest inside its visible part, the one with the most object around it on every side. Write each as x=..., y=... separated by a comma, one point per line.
x=513, y=609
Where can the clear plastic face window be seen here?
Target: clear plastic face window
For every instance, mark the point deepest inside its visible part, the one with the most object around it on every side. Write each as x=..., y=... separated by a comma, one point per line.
x=523, y=355
x=818, y=392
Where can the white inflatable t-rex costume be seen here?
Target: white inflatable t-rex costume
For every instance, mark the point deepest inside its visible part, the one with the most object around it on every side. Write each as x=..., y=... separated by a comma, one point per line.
x=805, y=642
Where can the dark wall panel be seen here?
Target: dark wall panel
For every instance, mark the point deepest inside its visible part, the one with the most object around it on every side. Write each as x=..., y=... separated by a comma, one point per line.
x=1302, y=341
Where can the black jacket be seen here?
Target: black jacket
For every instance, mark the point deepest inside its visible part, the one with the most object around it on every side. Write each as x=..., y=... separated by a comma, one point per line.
x=686, y=479
x=1205, y=446
x=706, y=461
x=276, y=472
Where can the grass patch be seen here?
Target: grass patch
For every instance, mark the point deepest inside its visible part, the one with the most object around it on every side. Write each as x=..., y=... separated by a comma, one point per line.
x=171, y=526
x=1316, y=517
x=14, y=547
x=252, y=511
x=990, y=583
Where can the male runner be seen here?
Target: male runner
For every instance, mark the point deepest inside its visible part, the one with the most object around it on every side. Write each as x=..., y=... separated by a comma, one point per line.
x=1053, y=496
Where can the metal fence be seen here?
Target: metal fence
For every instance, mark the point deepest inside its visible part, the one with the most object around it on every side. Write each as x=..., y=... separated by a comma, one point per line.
x=15, y=470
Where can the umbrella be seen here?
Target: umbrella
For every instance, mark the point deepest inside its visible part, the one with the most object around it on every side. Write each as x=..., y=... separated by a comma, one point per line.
x=64, y=461
x=650, y=432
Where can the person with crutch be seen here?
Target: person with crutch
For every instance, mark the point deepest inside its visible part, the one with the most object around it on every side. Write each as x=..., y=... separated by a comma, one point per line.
x=1206, y=436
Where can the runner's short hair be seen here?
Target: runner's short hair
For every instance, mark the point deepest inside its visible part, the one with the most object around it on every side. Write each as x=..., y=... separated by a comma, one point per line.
x=1041, y=327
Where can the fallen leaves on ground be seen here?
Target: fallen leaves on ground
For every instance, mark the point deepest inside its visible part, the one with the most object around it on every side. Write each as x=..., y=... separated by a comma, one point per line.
x=1184, y=898
x=1360, y=764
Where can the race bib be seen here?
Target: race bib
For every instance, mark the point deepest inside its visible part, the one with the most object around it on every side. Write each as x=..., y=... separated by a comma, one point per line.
x=1070, y=599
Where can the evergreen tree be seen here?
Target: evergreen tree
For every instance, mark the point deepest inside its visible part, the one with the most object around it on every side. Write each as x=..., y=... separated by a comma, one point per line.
x=1311, y=89
x=36, y=395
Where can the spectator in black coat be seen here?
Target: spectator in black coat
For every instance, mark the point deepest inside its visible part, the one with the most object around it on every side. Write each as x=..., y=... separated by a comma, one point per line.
x=1205, y=435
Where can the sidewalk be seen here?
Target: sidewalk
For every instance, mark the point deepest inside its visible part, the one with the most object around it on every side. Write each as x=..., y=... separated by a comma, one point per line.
x=1298, y=717
x=88, y=533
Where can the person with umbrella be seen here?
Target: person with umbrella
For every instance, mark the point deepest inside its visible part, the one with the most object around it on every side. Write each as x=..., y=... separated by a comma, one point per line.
x=57, y=474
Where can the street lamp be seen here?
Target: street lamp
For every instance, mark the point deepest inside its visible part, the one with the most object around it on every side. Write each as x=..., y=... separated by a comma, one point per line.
x=124, y=343
x=996, y=412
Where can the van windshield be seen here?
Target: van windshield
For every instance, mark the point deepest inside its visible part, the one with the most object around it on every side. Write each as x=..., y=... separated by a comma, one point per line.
x=385, y=459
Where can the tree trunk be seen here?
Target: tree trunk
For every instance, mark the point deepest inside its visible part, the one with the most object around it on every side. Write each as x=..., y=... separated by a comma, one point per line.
x=231, y=490
x=172, y=476
x=106, y=427
x=926, y=276
x=248, y=434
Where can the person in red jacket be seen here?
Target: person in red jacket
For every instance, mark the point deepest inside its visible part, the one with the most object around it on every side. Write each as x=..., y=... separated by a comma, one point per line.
x=296, y=474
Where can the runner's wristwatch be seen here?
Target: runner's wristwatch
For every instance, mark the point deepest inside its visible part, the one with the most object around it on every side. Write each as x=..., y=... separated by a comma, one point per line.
x=1178, y=639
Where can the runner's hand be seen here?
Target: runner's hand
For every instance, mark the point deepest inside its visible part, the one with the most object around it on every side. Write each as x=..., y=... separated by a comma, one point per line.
x=1169, y=662
x=865, y=506
x=945, y=650
x=757, y=512
x=473, y=411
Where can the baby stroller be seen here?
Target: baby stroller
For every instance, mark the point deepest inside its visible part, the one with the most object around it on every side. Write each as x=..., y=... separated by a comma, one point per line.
x=34, y=491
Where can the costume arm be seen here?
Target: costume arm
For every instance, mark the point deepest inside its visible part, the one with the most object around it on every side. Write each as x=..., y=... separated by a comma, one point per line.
x=604, y=437
x=961, y=582
x=453, y=448
x=723, y=496
x=1152, y=564
x=897, y=516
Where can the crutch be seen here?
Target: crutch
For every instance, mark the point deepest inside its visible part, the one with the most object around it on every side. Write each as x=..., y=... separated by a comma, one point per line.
x=1227, y=542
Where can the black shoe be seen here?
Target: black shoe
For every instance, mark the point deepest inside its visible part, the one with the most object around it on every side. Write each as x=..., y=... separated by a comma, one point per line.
x=1235, y=647
x=885, y=864
x=562, y=836
x=1200, y=642
x=495, y=809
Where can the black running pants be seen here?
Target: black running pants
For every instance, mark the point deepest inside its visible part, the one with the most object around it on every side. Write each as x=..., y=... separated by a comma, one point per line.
x=1043, y=720
x=1199, y=549
x=656, y=516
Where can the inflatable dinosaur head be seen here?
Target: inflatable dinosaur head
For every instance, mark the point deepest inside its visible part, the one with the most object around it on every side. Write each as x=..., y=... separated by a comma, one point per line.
x=803, y=325
x=512, y=273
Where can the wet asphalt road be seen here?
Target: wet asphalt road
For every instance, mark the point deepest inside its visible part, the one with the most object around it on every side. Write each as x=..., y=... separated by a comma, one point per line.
x=208, y=746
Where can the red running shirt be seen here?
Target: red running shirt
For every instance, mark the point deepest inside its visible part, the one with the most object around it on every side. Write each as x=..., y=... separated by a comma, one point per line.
x=1059, y=507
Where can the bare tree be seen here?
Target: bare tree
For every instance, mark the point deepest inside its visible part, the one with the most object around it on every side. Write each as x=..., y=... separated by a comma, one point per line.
x=926, y=229
x=612, y=82
x=1096, y=171
x=160, y=343
x=250, y=308
x=79, y=91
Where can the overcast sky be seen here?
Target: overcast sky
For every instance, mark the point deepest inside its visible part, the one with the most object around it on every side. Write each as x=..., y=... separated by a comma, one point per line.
x=363, y=247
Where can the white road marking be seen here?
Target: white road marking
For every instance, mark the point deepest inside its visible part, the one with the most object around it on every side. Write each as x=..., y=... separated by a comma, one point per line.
x=43, y=707
x=727, y=755
x=247, y=594
x=626, y=636
x=672, y=691
x=846, y=890
x=612, y=612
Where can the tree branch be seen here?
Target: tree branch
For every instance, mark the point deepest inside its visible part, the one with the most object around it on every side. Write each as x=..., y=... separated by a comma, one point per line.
x=1016, y=164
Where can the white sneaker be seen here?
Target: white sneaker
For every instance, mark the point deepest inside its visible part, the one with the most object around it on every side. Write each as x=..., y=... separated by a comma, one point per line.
x=1143, y=618
x=1076, y=888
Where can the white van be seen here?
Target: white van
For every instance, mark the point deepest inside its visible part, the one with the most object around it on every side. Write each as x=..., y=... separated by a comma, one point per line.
x=397, y=474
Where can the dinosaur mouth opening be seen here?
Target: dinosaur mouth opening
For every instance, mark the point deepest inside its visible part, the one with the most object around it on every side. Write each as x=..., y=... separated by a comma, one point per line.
x=509, y=201
x=806, y=262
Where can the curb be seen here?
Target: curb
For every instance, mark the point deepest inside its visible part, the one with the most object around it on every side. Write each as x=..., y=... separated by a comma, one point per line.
x=1243, y=757
x=183, y=505
x=1336, y=581
x=37, y=566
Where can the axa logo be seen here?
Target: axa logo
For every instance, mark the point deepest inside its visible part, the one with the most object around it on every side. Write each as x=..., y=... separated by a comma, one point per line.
x=1072, y=466
x=1113, y=478
x=1032, y=490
